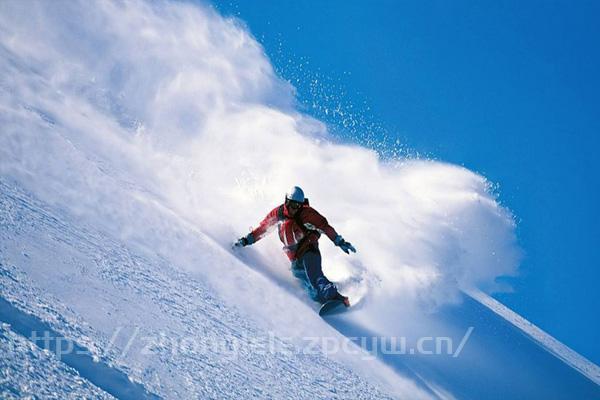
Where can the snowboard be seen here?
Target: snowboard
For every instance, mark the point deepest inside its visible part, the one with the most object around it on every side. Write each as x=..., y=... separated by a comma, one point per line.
x=332, y=307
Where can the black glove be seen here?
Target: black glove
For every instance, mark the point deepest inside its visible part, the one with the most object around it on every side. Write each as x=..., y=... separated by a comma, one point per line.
x=244, y=241
x=345, y=246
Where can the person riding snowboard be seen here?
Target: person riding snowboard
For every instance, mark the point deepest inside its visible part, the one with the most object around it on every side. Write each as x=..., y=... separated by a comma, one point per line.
x=300, y=227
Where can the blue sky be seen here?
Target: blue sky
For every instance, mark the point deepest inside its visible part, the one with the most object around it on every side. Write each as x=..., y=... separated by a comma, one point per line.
x=507, y=89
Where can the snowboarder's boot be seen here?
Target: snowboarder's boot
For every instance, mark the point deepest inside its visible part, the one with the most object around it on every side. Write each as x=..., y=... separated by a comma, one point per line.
x=344, y=299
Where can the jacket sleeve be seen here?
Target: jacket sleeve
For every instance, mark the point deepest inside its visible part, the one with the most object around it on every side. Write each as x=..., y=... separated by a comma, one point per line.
x=313, y=220
x=266, y=225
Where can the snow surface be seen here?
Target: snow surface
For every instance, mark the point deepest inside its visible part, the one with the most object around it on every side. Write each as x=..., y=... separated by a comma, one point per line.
x=139, y=139
x=163, y=327
x=26, y=371
x=575, y=360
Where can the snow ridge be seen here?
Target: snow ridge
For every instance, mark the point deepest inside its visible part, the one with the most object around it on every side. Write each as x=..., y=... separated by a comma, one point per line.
x=560, y=350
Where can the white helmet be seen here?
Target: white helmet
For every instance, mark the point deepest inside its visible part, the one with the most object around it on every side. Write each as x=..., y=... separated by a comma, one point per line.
x=295, y=194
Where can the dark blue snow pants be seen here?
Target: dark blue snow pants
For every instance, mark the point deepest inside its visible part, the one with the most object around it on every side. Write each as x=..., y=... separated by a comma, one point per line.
x=308, y=269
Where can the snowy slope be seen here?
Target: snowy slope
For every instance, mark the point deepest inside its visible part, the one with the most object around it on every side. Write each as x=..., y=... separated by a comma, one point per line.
x=163, y=327
x=169, y=330
x=29, y=372
x=138, y=139
x=567, y=355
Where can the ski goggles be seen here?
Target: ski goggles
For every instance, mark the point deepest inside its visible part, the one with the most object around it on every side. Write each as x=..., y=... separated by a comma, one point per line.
x=294, y=205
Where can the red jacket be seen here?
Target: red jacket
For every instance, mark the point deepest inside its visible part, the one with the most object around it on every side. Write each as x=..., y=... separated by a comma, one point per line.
x=298, y=233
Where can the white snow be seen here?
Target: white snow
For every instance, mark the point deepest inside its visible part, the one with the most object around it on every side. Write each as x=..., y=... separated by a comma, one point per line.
x=139, y=139
x=26, y=371
x=162, y=326
x=560, y=350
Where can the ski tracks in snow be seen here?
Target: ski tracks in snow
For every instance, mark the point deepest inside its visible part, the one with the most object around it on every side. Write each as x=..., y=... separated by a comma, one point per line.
x=136, y=313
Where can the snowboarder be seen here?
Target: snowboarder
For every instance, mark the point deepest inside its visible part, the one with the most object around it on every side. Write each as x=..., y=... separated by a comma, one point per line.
x=300, y=227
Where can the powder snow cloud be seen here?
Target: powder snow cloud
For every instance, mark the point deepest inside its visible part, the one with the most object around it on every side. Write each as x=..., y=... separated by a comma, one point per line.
x=107, y=106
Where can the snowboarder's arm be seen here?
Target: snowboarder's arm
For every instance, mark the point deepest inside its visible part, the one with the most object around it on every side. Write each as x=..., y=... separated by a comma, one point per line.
x=265, y=226
x=313, y=220
x=312, y=217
